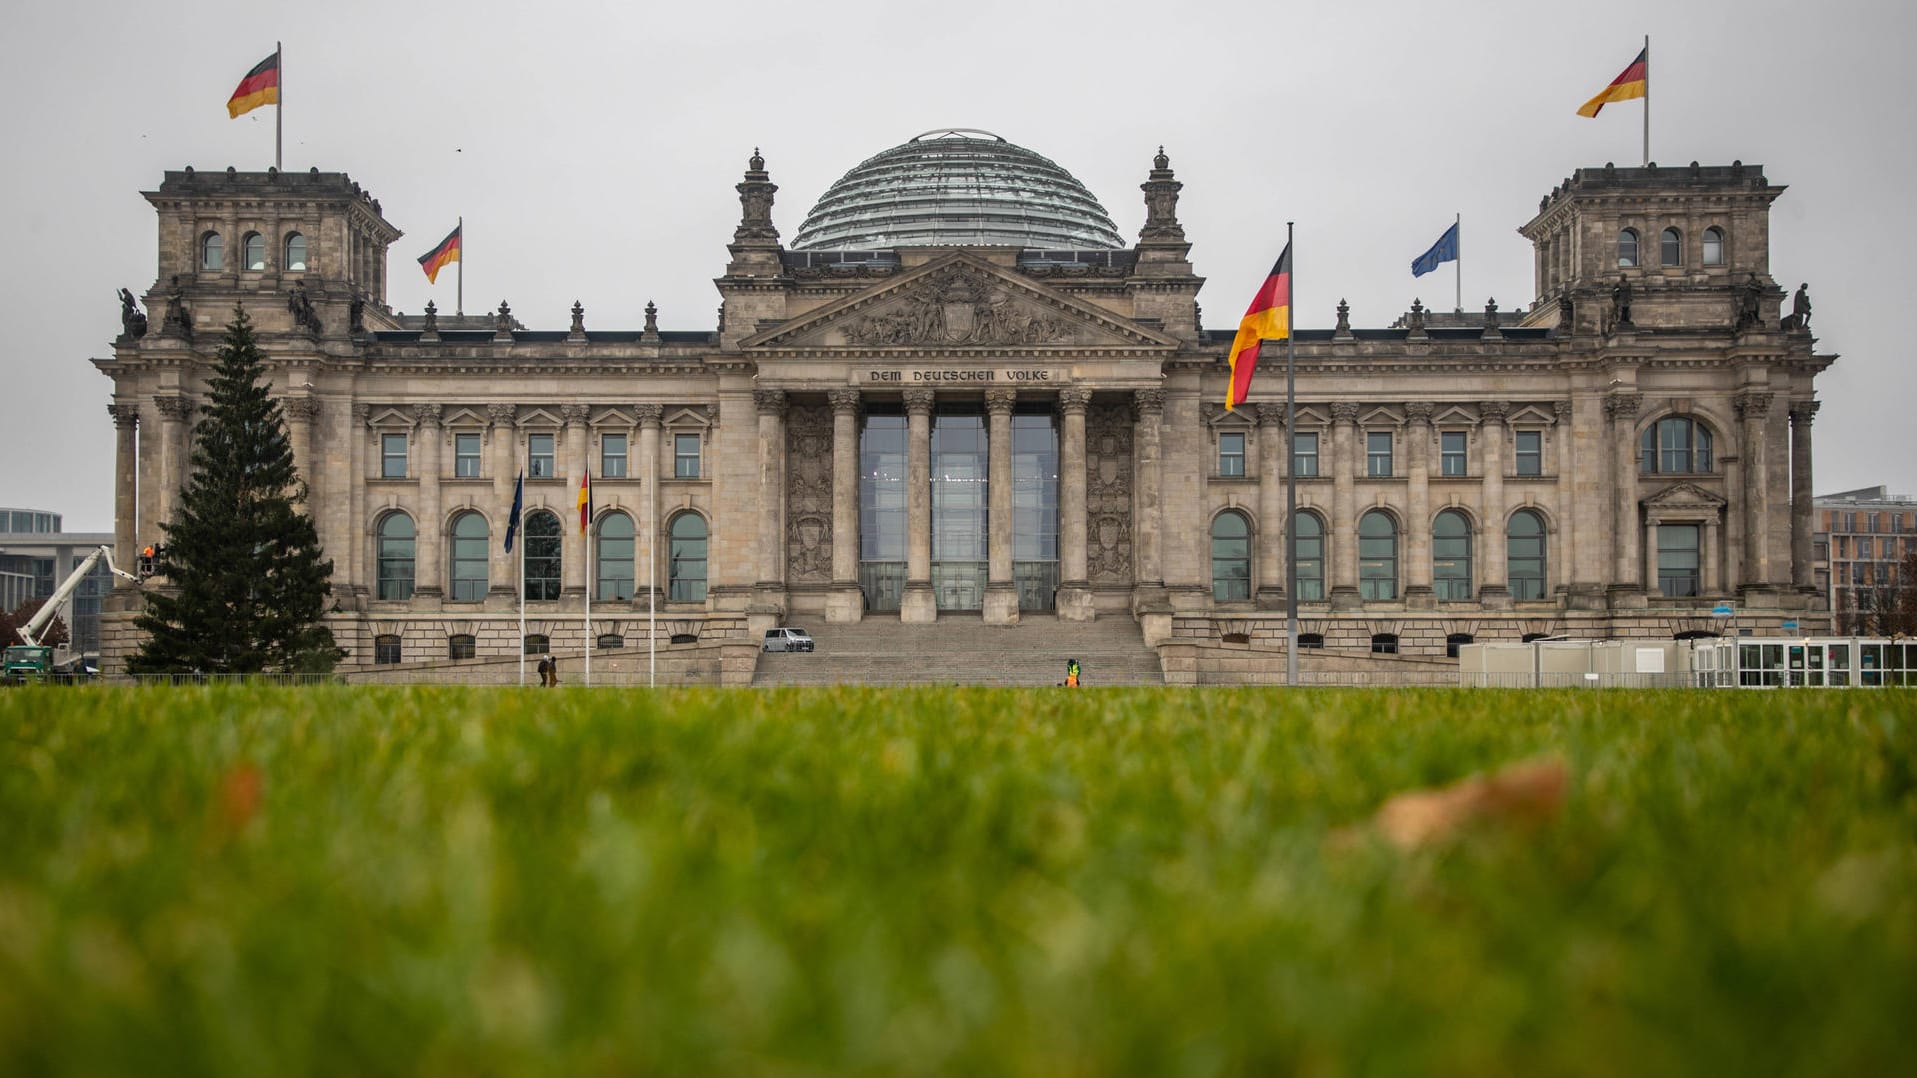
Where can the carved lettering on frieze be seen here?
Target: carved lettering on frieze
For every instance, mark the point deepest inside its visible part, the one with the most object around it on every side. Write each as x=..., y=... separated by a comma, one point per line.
x=808, y=494
x=1108, y=495
x=956, y=305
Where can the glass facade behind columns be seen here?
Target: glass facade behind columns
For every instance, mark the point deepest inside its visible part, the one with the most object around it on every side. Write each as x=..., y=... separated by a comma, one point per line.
x=1035, y=508
x=882, y=509
x=959, y=504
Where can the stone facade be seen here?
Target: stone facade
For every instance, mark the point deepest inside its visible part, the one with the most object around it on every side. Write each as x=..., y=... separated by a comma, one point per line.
x=745, y=453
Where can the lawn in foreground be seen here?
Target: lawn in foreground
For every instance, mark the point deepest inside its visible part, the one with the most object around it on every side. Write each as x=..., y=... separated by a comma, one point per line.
x=961, y=881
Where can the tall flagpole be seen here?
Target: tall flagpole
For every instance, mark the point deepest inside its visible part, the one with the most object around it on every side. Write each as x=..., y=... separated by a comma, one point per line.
x=652, y=572
x=522, y=600
x=1291, y=469
x=279, y=106
x=589, y=583
x=1457, y=231
x=1647, y=101
x=459, y=297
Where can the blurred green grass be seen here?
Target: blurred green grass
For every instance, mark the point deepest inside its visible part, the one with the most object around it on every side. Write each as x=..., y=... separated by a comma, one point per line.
x=469, y=881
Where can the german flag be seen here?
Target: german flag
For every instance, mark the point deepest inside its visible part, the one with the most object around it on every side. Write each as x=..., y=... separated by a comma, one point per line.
x=1634, y=82
x=585, y=501
x=261, y=86
x=1267, y=319
x=448, y=251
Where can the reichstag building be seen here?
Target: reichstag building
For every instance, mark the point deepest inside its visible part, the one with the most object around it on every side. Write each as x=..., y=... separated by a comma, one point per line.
x=959, y=392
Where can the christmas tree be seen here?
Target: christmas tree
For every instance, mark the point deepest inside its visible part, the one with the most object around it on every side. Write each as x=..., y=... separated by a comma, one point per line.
x=245, y=585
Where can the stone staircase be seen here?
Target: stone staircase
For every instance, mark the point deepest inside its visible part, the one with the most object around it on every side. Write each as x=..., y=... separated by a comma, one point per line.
x=962, y=649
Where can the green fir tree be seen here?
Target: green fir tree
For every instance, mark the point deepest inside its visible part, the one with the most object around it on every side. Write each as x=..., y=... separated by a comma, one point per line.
x=245, y=585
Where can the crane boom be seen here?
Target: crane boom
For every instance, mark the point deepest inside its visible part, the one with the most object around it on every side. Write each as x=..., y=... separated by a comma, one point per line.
x=30, y=632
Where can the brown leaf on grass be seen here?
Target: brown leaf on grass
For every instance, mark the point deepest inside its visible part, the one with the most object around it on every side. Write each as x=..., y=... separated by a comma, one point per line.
x=1530, y=792
x=239, y=796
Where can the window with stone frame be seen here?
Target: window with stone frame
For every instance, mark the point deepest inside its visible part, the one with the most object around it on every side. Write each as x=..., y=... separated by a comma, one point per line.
x=1309, y=558
x=1378, y=454
x=1671, y=247
x=537, y=644
x=1452, y=459
x=1627, y=248
x=295, y=253
x=1451, y=557
x=393, y=557
x=386, y=649
x=1678, y=560
x=612, y=456
x=1231, y=454
x=1713, y=246
x=466, y=456
x=1384, y=643
x=1230, y=557
x=461, y=646
x=686, y=565
x=1304, y=454
x=1530, y=454
x=540, y=462
x=1377, y=556
x=1675, y=445
x=212, y=252
x=685, y=456
x=542, y=538
x=253, y=252
x=392, y=456
x=1524, y=543
x=467, y=558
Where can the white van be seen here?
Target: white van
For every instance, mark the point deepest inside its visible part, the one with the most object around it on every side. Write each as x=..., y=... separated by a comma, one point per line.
x=787, y=640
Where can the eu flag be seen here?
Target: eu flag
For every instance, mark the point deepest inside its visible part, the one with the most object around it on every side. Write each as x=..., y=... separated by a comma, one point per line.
x=512, y=517
x=1445, y=250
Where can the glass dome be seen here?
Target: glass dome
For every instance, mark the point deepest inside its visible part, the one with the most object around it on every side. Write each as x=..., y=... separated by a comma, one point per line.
x=957, y=186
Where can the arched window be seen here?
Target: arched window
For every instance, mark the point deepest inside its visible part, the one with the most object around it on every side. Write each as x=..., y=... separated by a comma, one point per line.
x=538, y=644
x=1454, y=641
x=1310, y=559
x=212, y=251
x=467, y=557
x=1675, y=445
x=1671, y=247
x=611, y=641
x=542, y=556
x=1627, y=249
x=1384, y=643
x=1310, y=640
x=295, y=251
x=1713, y=246
x=1524, y=555
x=386, y=649
x=1230, y=557
x=1377, y=556
x=253, y=251
x=1451, y=556
x=613, y=558
x=461, y=646
x=395, y=557
x=686, y=571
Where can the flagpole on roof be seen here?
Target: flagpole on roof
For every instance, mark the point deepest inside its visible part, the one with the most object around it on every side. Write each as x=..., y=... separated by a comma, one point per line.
x=279, y=106
x=459, y=296
x=1647, y=101
x=1457, y=229
x=1291, y=481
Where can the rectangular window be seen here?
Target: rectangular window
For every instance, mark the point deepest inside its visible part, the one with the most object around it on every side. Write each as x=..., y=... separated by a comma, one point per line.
x=685, y=456
x=466, y=456
x=1231, y=454
x=1378, y=453
x=1530, y=452
x=1451, y=453
x=612, y=456
x=386, y=650
x=392, y=456
x=1864, y=547
x=539, y=462
x=1872, y=526
x=1677, y=560
x=1304, y=453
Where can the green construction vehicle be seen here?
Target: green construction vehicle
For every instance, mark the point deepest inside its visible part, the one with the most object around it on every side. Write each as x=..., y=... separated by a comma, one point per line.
x=34, y=661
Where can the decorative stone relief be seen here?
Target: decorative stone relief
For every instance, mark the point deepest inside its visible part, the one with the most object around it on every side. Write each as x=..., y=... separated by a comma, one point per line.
x=178, y=409
x=1752, y=405
x=808, y=494
x=956, y=305
x=769, y=401
x=1108, y=495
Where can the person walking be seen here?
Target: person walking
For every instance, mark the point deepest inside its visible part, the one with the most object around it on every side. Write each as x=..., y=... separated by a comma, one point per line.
x=545, y=673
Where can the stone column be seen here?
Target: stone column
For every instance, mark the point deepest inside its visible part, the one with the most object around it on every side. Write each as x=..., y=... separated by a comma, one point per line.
x=1344, y=526
x=845, y=603
x=648, y=571
x=428, y=515
x=1626, y=558
x=1001, y=593
x=1801, y=416
x=1418, y=593
x=299, y=412
x=1273, y=440
x=502, y=566
x=1752, y=407
x=360, y=574
x=126, y=485
x=1648, y=560
x=572, y=545
x=917, y=604
x=1495, y=592
x=176, y=418
x=1074, y=589
x=771, y=405
x=1713, y=573
x=1148, y=409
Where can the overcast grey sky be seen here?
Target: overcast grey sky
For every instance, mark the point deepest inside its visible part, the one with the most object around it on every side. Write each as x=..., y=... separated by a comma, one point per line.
x=592, y=150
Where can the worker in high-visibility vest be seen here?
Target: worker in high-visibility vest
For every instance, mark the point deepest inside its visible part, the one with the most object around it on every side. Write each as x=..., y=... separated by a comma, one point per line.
x=1071, y=673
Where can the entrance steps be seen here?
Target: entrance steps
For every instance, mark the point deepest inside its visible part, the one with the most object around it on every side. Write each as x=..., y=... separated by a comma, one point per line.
x=962, y=649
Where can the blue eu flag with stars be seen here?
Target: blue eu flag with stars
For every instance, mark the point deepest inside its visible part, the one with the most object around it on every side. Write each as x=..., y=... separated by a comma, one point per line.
x=1445, y=250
